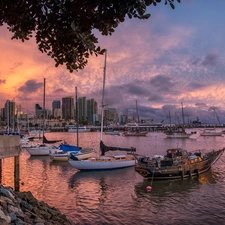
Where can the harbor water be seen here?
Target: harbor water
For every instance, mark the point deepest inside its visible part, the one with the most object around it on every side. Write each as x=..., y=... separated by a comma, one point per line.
x=120, y=196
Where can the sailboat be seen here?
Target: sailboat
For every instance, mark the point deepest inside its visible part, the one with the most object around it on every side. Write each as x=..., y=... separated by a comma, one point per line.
x=179, y=132
x=103, y=162
x=137, y=132
x=42, y=149
x=211, y=131
x=66, y=150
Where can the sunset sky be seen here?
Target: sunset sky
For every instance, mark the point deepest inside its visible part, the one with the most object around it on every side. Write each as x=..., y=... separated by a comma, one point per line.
x=175, y=56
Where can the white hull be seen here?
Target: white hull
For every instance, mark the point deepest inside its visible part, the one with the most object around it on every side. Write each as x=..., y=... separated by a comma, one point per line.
x=178, y=135
x=83, y=154
x=42, y=150
x=136, y=134
x=212, y=134
x=102, y=163
x=80, y=130
x=112, y=132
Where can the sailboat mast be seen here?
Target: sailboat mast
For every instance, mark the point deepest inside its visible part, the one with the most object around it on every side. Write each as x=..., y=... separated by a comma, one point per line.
x=137, y=112
x=103, y=93
x=43, y=131
x=182, y=112
x=76, y=115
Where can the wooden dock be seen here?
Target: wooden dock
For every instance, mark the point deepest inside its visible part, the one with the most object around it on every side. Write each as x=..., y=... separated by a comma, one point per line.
x=10, y=146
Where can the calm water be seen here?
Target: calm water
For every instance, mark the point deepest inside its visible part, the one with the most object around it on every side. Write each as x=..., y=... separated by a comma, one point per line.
x=120, y=196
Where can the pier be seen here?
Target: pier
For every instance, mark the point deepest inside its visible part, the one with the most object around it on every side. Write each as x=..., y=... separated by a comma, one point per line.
x=10, y=146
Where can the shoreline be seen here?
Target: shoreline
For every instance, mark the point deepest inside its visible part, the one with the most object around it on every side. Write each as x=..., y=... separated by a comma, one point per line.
x=24, y=208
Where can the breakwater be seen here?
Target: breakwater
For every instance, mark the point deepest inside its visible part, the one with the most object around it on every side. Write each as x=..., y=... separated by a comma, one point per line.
x=24, y=208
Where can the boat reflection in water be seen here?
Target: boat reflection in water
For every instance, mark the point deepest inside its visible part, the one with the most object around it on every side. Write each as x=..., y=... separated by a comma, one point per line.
x=166, y=188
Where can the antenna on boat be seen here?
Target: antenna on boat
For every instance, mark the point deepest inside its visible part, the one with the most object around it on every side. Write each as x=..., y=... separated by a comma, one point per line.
x=103, y=93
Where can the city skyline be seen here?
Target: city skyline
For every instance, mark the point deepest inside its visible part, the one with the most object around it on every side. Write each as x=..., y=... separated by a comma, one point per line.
x=175, y=56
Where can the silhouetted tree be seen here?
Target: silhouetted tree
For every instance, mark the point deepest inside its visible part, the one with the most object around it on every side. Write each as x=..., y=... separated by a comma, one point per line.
x=64, y=28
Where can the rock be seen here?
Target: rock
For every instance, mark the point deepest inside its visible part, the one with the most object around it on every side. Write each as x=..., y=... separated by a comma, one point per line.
x=3, y=222
x=5, y=217
x=21, y=208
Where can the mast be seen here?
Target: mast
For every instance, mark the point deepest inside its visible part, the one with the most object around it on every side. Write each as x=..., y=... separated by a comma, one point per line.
x=170, y=119
x=137, y=112
x=103, y=93
x=182, y=112
x=43, y=131
x=76, y=115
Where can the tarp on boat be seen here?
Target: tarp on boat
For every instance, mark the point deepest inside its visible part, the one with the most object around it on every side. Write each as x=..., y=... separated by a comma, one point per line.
x=66, y=148
x=105, y=148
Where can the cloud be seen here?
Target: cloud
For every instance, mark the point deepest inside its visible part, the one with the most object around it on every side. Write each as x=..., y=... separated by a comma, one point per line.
x=210, y=60
x=2, y=81
x=30, y=86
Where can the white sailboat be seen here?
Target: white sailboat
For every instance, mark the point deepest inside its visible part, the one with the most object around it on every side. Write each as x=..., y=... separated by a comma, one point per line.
x=105, y=162
x=42, y=149
x=66, y=150
x=179, y=132
x=211, y=131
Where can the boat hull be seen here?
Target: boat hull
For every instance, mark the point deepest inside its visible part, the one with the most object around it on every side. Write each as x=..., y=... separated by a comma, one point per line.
x=41, y=150
x=178, y=135
x=85, y=154
x=101, y=165
x=135, y=134
x=153, y=170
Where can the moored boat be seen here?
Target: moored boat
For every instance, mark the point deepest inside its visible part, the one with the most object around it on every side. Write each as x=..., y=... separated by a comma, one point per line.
x=103, y=162
x=75, y=129
x=178, y=133
x=176, y=164
x=135, y=133
x=65, y=151
x=211, y=132
x=112, y=132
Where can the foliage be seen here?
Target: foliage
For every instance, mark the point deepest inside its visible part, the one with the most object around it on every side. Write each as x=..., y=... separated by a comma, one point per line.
x=64, y=28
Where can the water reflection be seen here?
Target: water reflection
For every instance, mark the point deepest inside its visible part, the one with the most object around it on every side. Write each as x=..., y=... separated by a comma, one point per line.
x=173, y=187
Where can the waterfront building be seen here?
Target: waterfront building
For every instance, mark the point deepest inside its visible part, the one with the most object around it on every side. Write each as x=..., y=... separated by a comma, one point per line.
x=110, y=116
x=123, y=119
x=38, y=110
x=68, y=108
x=9, y=113
x=56, y=104
x=82, y=110
x=92, y=109
x=58, y=113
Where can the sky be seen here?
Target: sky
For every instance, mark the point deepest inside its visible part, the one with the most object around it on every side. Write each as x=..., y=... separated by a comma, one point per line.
x=176, y=57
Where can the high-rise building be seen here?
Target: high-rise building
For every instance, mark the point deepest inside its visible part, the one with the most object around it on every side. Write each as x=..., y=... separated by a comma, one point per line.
x=82, y=110
x=92, y=107
x=38, y=110
x=110, y=116
x=56, y=104
x=68, y=108
x=9, y=113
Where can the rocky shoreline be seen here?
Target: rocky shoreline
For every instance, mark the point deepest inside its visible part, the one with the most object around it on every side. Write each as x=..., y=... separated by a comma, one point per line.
x=22, y=208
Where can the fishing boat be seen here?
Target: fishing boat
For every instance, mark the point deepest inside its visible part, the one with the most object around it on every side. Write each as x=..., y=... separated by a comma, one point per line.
x=42, y=149
x=103, y=162
x=176, y=164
